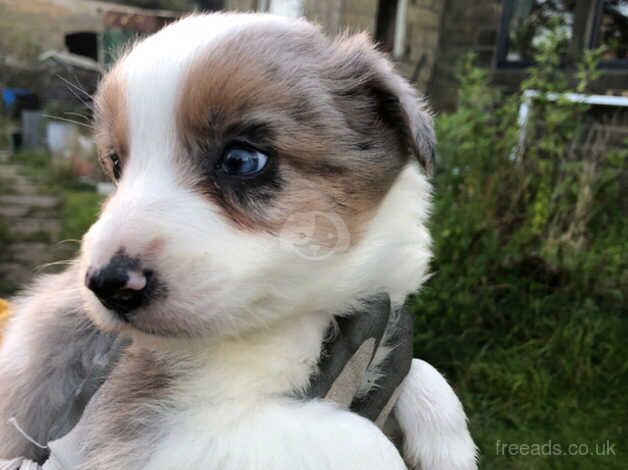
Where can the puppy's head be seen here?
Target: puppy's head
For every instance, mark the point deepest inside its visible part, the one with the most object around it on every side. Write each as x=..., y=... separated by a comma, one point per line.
x=254, y=161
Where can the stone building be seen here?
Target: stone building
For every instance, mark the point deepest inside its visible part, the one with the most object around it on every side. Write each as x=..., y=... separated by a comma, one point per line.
x=408, y=29
x=428, y=37
x=425, y=37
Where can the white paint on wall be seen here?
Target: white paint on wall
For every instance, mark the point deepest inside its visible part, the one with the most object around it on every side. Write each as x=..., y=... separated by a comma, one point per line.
x=287, y=8
x=400, y=29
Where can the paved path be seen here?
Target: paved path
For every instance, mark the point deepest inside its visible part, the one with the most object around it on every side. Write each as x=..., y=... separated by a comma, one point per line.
x=32, y=221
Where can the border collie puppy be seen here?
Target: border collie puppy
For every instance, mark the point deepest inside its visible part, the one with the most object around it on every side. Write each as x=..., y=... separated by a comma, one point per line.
x=267, y=177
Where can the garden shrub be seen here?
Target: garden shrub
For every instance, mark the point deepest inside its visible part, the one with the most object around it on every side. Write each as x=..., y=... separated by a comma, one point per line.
x=526, y=310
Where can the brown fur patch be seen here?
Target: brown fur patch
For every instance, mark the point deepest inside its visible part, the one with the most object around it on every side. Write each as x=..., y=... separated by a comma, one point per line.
x=111, y=119
x=326, y=106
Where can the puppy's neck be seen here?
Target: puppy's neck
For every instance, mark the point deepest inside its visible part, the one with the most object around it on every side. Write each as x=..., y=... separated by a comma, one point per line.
x=278, y=359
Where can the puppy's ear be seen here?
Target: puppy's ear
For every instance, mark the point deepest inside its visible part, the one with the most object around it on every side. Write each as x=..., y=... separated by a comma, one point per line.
x=360, y=71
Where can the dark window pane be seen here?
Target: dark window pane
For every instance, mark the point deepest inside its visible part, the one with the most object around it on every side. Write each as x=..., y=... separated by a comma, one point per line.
x=386, y=22
x=531, y=22
x=613, y=32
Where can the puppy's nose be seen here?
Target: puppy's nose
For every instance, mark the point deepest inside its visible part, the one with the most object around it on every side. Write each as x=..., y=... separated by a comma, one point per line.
x=119, y=287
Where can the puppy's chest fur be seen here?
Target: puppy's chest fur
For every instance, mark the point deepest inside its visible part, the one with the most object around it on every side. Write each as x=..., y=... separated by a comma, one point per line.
x=198, y=394
x=128, y=410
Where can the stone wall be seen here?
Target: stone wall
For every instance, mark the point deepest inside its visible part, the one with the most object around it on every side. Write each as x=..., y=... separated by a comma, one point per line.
x=423, y=24
x=423, y=18
x=327, y=14
x=466, y=26
x=241, y=5
x=359, y=15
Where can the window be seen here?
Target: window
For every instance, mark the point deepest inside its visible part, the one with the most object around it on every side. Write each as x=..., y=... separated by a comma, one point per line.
x=526, y=23
x=390, y=26
x=386, y=22
x=581, y=24
x=211, y=5
x=611, y=31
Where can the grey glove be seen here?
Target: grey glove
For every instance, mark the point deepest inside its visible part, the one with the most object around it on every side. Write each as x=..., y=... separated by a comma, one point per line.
x=349, y=352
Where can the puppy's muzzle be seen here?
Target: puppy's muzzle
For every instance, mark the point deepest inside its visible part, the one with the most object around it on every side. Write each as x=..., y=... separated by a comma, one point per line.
x=121, y=285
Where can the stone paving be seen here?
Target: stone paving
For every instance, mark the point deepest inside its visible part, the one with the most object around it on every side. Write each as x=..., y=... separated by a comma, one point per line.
x=32, y=220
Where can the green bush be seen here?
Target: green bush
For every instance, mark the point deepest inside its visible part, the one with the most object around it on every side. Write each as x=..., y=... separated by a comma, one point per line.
x=80, y=203
x=526, y=311
x=80, y=211
x=5, y=237
x=5, y=132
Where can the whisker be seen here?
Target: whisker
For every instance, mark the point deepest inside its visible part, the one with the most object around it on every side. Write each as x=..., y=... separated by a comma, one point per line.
x=69, y=240
x=80, y=115
x=74, y=85
x=41, y=267
x=71, y=87
x=78, y=123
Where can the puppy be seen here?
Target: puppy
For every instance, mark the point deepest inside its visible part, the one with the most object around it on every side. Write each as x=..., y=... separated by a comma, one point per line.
x=266, y=176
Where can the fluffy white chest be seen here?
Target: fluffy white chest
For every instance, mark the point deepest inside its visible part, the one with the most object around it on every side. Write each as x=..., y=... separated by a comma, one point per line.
x=274, y=434
x=238, y=412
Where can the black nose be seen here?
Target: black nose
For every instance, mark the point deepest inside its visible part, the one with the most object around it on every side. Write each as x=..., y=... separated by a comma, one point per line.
x=120, y=286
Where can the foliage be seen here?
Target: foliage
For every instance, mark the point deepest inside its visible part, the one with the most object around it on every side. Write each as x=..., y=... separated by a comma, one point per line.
x=5, y=236
x=526, y=311
x=80, y=211
x=80, y=204
x=530, y=29
x=5, y=133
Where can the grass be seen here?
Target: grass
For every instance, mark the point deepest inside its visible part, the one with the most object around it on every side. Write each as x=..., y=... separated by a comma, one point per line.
x=550, y=375
x=7, y=287
x=78, y=208
x=80, y=203
x=527, y=312
x=5, y=237
x=533, y=360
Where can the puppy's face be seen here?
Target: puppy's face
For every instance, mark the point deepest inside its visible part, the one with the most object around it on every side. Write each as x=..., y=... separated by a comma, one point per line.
x=250, y=156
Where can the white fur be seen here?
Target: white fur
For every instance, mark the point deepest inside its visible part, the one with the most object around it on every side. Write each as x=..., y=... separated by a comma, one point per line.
x=240, y=279
x=436, y=436
x=259, y=307
x=278, y=435
x=235, y=415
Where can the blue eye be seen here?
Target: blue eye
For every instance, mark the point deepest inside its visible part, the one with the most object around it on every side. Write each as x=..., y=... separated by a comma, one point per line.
x=240, y=161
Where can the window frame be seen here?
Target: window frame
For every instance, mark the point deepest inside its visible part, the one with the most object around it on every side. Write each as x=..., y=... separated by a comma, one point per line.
x=590, y=41
x=508, y=7
x=593, y=39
